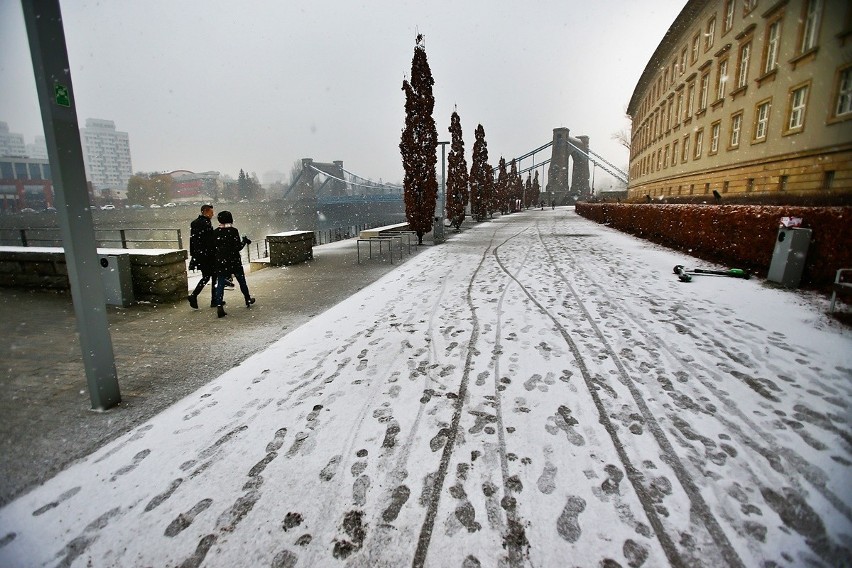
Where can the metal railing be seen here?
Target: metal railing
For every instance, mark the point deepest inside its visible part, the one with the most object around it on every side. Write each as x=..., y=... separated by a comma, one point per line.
x=48, y=236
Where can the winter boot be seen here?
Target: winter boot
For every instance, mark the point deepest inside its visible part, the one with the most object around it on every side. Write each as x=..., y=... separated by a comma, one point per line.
x=214, y=305
x=220, y=311
x=249, y=302
x=193, y=301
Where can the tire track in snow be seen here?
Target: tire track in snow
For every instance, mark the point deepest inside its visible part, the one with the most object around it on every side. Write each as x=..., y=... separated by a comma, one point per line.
x=516, y=555
x=699, y=505
x=633, y=474
x=801, y=465
x=440, y=476
x=427, y=379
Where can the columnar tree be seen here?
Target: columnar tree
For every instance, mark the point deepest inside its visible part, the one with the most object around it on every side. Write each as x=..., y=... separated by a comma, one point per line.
x=489, y=188
x=480, y=177
x=457, y=177
x=243, y=184
x=501, y=187
x=528, y=193
x=536, y=189
x=419, y=144
x=516, y=186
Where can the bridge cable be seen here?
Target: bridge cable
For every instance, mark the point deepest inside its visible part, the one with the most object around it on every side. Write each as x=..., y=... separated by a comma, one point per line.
x=619, y=175
x=373, y=186
x=371, y=181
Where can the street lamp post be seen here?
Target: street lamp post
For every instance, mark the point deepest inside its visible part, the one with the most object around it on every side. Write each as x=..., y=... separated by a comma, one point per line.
x=438, y=228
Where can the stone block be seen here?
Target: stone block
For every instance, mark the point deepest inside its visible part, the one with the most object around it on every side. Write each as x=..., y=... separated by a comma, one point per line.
x=291, y=247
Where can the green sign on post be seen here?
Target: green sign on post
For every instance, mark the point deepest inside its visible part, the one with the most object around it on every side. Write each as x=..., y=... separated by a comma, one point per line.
x=60, y=93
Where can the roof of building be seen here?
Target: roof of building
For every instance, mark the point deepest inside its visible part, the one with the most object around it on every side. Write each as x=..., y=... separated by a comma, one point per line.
x=682, y=23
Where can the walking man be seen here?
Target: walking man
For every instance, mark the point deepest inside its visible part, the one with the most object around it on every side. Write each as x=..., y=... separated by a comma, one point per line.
x=202, y=250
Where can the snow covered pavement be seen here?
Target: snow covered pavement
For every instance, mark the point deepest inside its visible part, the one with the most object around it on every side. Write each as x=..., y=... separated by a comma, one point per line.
x=538, y=391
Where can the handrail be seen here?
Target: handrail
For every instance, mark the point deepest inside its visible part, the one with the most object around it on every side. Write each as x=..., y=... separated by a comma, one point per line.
x=25, y=236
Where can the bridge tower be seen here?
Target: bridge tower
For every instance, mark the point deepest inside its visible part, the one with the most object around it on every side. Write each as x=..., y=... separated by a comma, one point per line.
x=564, y=148
x=305, y=197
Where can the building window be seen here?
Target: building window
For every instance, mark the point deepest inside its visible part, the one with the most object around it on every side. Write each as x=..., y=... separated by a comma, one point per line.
x=761, y=121
x=21, y=171
x=679, y=109
x=710, y=33
x=696, y=48
x=725, y=186
x=699, y=143
x=702, y=91
x=685, y=155
x=674, y=152
x=690, y=100
x=666, y=156
x=659, y=159
x=798, y=103
x=736, y=126
x=729, y=16
x=669, y=115
x=683, y=61
x=828, y=180
x=749, y=5
x=715, y=129
x=742, y=69
x=782, y=183
x=722, y=79
x=810, y=25
x=773, y=36
x=843, y=105
x=750, y=184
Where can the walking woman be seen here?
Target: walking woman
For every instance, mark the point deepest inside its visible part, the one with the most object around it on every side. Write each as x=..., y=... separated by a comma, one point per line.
x=228, y=261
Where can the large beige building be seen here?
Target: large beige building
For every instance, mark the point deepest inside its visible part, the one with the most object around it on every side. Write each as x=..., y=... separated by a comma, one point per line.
x=749, y=98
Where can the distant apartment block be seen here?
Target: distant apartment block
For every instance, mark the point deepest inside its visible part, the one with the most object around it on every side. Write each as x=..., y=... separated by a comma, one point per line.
x=11, y=143
x=106, y=155
x=38, y=149
x=747, y=98
x=24, y=183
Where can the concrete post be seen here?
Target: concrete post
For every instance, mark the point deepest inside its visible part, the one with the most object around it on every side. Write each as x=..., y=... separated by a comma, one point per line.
x=438, y=227
x=56, y=99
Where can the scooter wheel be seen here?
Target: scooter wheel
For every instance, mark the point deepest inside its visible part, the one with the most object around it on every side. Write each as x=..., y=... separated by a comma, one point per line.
x=684, y=277
x=678, y=268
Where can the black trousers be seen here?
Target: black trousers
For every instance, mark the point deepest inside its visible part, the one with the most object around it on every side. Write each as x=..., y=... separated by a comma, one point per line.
x=202, y=283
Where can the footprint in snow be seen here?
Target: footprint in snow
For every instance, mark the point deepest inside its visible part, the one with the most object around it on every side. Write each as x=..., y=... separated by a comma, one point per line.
x=568, y=523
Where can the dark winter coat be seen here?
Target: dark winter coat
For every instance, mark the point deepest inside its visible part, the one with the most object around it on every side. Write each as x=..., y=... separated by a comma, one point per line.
x=228, y=247
x=202, y=245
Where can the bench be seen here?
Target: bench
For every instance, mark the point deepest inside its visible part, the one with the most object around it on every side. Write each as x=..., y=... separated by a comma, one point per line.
x=157, y=275
x=841, y=285
x=386, y=233
x=377, y=231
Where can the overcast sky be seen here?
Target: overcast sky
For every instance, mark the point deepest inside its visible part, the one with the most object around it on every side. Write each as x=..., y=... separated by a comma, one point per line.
x=220, y=85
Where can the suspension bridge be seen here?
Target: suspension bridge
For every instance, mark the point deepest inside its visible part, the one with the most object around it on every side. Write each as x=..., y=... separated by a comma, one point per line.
x=568, y=178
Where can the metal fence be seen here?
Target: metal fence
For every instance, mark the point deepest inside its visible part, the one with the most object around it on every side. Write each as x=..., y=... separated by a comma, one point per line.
x=125, y=238
x=147, y=237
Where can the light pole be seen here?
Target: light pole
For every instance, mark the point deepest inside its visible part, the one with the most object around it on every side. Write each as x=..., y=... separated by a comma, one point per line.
x=438, y=228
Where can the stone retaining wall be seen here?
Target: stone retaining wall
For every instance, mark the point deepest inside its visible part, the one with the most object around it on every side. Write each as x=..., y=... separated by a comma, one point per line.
x=158, y=275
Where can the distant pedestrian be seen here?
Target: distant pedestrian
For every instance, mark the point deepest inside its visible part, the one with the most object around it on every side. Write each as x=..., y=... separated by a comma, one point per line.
x=228, y=261
x=202, y=253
